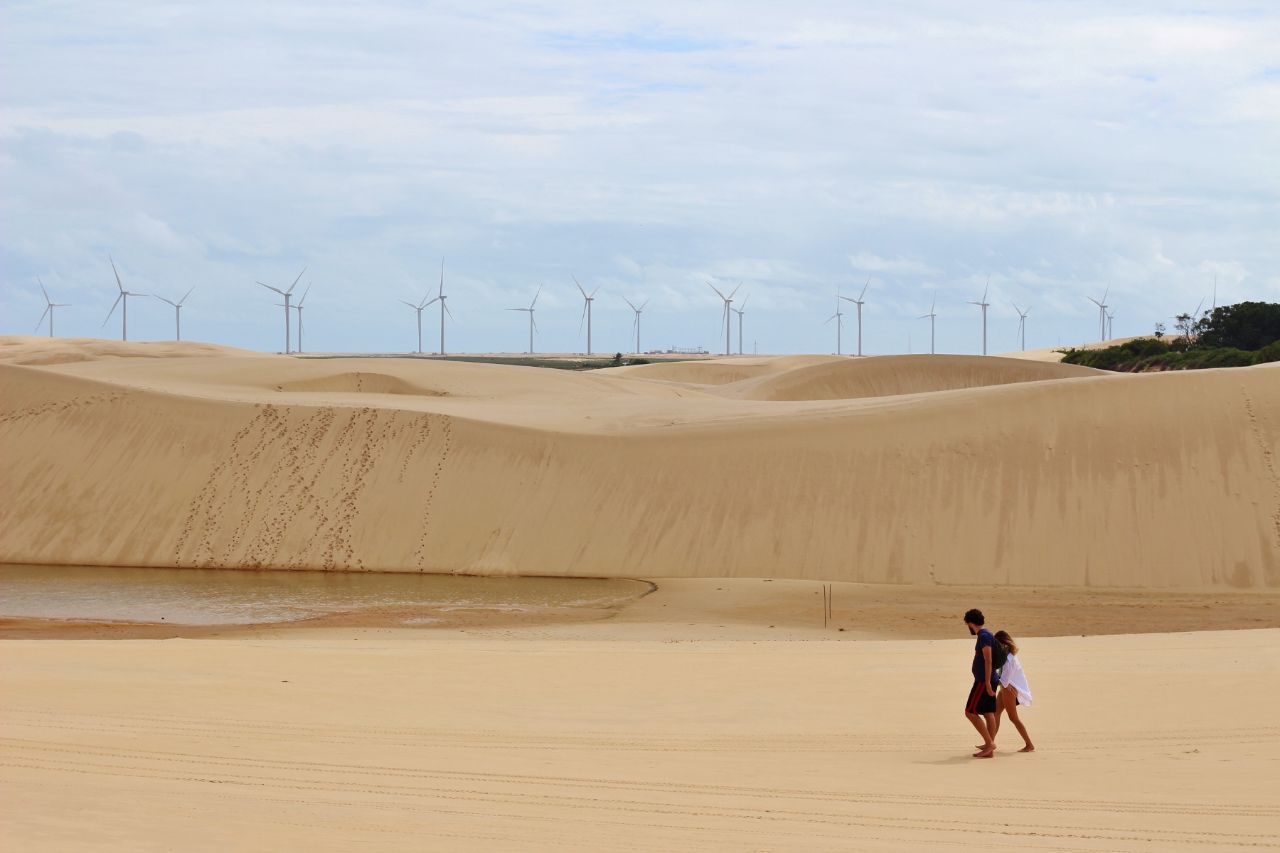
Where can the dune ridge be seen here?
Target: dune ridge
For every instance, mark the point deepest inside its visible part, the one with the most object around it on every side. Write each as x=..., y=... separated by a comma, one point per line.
x=1164, y=480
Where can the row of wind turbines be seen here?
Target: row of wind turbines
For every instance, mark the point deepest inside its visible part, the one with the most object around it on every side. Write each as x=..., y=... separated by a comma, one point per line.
x=122, y=301
x=1106, y=316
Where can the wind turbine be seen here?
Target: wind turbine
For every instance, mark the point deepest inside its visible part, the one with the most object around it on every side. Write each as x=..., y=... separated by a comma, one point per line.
x=586, y=310
x=839, y=318
x=638, y=312
x=740, y=311
x=984, y=305
x=1111, y=325
x=417, y=309
x=177, y=312
x=49, y=305
x=286, y=294
x=123, y=297
x=1102, y=313
x=728, y=302
x=298, y=308
x=1022, y=324
x=932, y=315
x=532, y=323
x=859, y=302
x=444, y=306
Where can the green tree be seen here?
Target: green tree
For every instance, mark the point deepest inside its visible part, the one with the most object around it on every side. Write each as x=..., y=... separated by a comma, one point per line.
x=1245, y=326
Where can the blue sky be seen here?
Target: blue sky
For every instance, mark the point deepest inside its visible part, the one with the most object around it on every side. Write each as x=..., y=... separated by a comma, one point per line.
x=1057, y=147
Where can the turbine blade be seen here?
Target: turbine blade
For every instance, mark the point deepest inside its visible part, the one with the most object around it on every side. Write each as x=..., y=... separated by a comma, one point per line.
x=410, y=304
x=300, y=301
x=535, y=298
x=743, y=306
x=42, y=290
x=40, y=322
x=575, y=281
x=161, y=298
x=716, y=289
x=441, y=293
x=629, y=304
x=583, y=319
x=296, y=280
x=642, y=304
x=868, y=284
x=269, y=287
x=119, y=283
x=188, y=293
x=735, y=289
x=113, y=307
x=444, y=303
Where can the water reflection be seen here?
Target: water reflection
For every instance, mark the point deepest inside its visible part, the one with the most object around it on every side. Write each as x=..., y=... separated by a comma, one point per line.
x=223, y=597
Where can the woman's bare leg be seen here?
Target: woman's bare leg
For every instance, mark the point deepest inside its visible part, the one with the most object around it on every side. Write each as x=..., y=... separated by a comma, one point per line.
x=1009, y=702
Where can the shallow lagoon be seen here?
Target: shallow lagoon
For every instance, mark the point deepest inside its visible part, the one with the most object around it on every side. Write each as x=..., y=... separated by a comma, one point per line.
x=229, y=597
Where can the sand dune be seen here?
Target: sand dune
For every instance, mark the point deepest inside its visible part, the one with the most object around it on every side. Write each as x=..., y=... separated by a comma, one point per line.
x=895, y=375
x=27, y=349
x=1167, y=480
x=722, y=371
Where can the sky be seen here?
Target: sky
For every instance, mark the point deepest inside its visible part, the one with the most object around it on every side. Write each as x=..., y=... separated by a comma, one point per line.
x=917, y=149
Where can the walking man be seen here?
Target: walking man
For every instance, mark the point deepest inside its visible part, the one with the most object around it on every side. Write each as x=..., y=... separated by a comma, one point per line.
x=980, y=708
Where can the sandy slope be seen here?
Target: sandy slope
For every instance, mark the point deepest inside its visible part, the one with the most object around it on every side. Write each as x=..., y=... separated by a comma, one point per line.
x=403, y=741
x=890, y=376
x=218, y=460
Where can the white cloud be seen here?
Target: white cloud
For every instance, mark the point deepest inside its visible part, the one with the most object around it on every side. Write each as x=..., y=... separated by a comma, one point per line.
x=1054, y=146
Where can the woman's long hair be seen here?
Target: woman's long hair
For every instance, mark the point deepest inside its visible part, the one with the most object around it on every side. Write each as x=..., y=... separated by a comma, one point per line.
x=1003, y=638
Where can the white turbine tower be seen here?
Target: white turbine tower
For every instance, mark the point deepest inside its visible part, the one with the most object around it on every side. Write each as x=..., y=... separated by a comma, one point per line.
x=1022, y=324
x=586, y=310
x=638, y=312
x=417, y=309
x=49, y=305
x=839, y=318
x=532, y=323
x=984, y=305
x=1111, y=324
x=859, y=302
x=177, y=313
x=298, y=308
x=1102, y=313
x=728, y=303
x=288, y=344
x=444, y=306
x=740, y=312
x=123, y=297
x=932, y=316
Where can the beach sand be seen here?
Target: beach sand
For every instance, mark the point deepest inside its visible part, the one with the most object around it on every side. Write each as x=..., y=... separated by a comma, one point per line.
x=403, y=740
x=1117, y=525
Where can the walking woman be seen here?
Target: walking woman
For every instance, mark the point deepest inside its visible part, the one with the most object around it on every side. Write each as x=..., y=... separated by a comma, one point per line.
x=1014, y=690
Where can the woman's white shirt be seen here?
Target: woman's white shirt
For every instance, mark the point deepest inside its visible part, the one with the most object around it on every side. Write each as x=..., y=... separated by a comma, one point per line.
x=1012, y=675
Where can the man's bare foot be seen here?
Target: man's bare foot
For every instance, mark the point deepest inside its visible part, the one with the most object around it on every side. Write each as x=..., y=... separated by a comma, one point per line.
x=986, y=752
x=1028, y=748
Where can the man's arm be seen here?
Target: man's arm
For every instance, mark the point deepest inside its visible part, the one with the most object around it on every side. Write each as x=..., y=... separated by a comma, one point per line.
x=986, y=660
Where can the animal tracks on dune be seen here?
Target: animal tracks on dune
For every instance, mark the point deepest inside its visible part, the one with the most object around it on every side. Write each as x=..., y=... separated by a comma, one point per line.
x=1268, y=460
x=60, y=406
x=305, y=473
x=446, y=449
